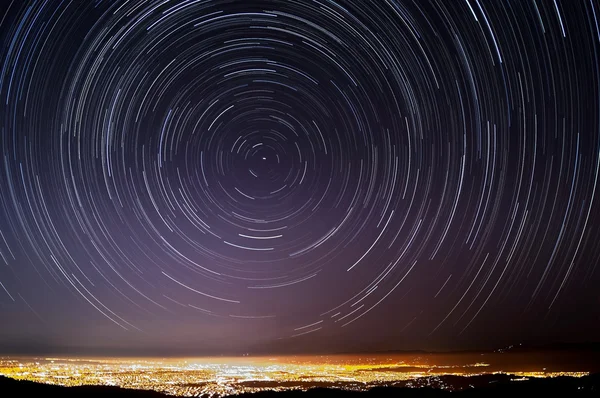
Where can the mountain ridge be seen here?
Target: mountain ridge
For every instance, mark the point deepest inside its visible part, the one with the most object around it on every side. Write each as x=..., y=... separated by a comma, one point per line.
x=487, y=385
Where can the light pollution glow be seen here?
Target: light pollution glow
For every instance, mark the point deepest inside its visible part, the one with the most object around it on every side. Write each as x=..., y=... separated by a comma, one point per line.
x=227, y=376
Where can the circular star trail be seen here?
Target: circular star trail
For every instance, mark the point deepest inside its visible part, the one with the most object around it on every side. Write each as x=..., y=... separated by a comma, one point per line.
x=290, y=168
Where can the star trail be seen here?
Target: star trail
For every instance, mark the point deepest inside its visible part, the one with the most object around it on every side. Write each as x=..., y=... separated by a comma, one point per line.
x=313, y=174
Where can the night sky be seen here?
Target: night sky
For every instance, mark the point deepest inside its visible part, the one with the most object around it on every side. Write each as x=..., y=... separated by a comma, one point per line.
x=221, y=177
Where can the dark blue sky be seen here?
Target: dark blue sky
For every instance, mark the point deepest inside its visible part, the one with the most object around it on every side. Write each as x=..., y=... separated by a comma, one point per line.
x=216, y=177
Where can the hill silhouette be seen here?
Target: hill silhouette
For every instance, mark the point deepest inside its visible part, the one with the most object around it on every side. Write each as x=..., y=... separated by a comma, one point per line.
x=476, y=386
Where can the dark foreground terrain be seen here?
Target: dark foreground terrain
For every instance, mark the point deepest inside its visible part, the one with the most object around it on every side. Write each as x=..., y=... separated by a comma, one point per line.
x=478, y=386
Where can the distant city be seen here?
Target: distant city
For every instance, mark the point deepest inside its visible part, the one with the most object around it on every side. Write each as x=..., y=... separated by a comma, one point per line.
x=229, y=376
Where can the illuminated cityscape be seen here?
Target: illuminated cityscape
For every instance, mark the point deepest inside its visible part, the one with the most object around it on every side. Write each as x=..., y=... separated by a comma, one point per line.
x=229, y=376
